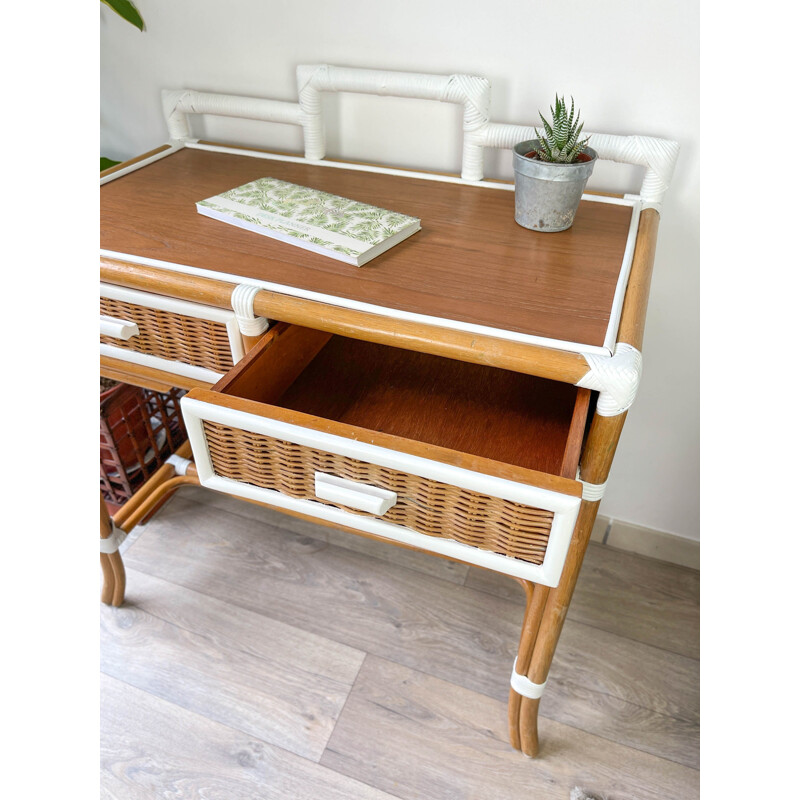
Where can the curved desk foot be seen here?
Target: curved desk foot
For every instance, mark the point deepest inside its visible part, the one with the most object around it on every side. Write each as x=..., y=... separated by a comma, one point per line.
x=522, y=711
x=545, y=612
x=157, y=490
x=113, y=590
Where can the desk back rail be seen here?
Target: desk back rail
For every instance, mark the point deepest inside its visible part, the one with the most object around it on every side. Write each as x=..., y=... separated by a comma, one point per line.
x=657, y=156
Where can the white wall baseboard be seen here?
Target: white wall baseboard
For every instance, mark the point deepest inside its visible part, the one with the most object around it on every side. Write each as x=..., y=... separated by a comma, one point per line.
x=647, y=542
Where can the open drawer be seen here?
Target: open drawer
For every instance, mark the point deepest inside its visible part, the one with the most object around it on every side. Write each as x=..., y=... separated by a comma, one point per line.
x=470, y=462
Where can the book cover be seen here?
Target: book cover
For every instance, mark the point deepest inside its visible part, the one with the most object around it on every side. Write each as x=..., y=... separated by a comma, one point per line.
x=324, y=223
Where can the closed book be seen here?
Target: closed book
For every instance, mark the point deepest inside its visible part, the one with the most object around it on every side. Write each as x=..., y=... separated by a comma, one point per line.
x=324, y=223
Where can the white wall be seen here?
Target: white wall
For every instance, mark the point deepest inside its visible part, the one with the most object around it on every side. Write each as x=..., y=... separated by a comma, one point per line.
x=632, y=66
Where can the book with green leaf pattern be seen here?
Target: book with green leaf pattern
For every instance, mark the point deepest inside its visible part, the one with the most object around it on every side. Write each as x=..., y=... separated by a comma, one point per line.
x=325, y=223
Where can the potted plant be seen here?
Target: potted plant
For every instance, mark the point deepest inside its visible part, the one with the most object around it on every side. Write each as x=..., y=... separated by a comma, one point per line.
x=550, y=172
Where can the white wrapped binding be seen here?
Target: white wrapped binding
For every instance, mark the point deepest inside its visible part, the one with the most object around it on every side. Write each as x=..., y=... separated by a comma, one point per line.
x=112, y=542
x=242, y=299
x=616, y=377
x=470, y=91
x=525, y=687
x=180, y=463
x=593, y=491
x=657, y=156
x=177, y=103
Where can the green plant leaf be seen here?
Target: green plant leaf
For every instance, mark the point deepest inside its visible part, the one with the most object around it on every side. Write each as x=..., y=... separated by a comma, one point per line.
x=127, y=10
x=105, y=163
x=574, y=137
x=560, y=140
x=548, y=131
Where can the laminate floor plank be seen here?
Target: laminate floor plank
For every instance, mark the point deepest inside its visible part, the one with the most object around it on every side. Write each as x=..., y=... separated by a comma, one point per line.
x=267, y=679
x=152, y=749
x=437, y=567
x=606, y=684
x=420, y=737
x=360, y=601
x=637, y=597
x=639, y=695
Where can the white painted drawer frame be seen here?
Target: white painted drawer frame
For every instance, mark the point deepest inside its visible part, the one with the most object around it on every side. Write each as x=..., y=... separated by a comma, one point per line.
x=184, y=308
x=564, y=507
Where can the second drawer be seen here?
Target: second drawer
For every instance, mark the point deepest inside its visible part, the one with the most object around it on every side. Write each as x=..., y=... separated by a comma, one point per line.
x=194, y=341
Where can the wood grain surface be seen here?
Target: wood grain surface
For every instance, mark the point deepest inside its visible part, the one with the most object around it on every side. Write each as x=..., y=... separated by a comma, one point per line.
x=146, y=377
x=441, y=568
x=456, y=458
x=640, y=696
x=470, y=262
x=530, y=359
x=497, y=414
x=627, y=595
x=152, y=748
x=271, y=680
x=410, y=733
x=416, y=396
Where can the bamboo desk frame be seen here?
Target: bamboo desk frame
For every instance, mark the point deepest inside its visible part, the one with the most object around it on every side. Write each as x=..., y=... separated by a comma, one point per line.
x=546, y=607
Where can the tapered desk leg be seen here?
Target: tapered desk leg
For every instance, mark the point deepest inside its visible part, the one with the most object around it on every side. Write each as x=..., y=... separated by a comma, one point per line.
x=545, y=614
x=113, y=591
x=546, y=609
x=536, y=598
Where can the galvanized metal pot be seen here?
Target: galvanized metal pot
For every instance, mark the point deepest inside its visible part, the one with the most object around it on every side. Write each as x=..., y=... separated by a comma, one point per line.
x=546, y=195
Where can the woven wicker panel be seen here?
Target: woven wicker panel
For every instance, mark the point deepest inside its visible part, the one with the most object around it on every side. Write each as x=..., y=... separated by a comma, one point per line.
x=176, y=337
x=424, y=505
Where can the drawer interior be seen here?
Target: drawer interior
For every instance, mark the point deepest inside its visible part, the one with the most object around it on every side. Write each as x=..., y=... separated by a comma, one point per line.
x=492, y=413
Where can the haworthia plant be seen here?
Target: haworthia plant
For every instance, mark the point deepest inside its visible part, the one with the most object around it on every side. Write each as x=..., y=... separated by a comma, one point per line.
x=559, y=139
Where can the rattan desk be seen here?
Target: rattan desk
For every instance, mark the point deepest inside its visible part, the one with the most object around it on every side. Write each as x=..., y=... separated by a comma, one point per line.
x=462, y=394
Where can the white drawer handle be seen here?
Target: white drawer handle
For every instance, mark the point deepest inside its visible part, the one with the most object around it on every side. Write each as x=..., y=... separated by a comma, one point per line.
x=118, y=328
x=356, y=495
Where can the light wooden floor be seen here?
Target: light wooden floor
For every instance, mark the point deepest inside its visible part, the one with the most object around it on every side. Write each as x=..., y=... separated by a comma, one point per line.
x=258, y=656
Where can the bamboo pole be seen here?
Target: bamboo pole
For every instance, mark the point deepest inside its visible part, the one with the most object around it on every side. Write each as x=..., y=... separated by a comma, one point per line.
x=536, y=598
x=637, y=293
x=598, y=455
x=555, y=612
x=117, y=167
x=113, y=591
x=162, y=474
x=530, y=359
x=160, y=493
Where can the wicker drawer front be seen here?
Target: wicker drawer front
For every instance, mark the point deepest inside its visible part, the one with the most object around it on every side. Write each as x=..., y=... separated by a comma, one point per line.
x=185, y=338
x=427, y=506
x=516, y=528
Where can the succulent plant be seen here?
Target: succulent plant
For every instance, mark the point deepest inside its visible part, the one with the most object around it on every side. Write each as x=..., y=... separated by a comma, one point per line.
x=560, y=142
